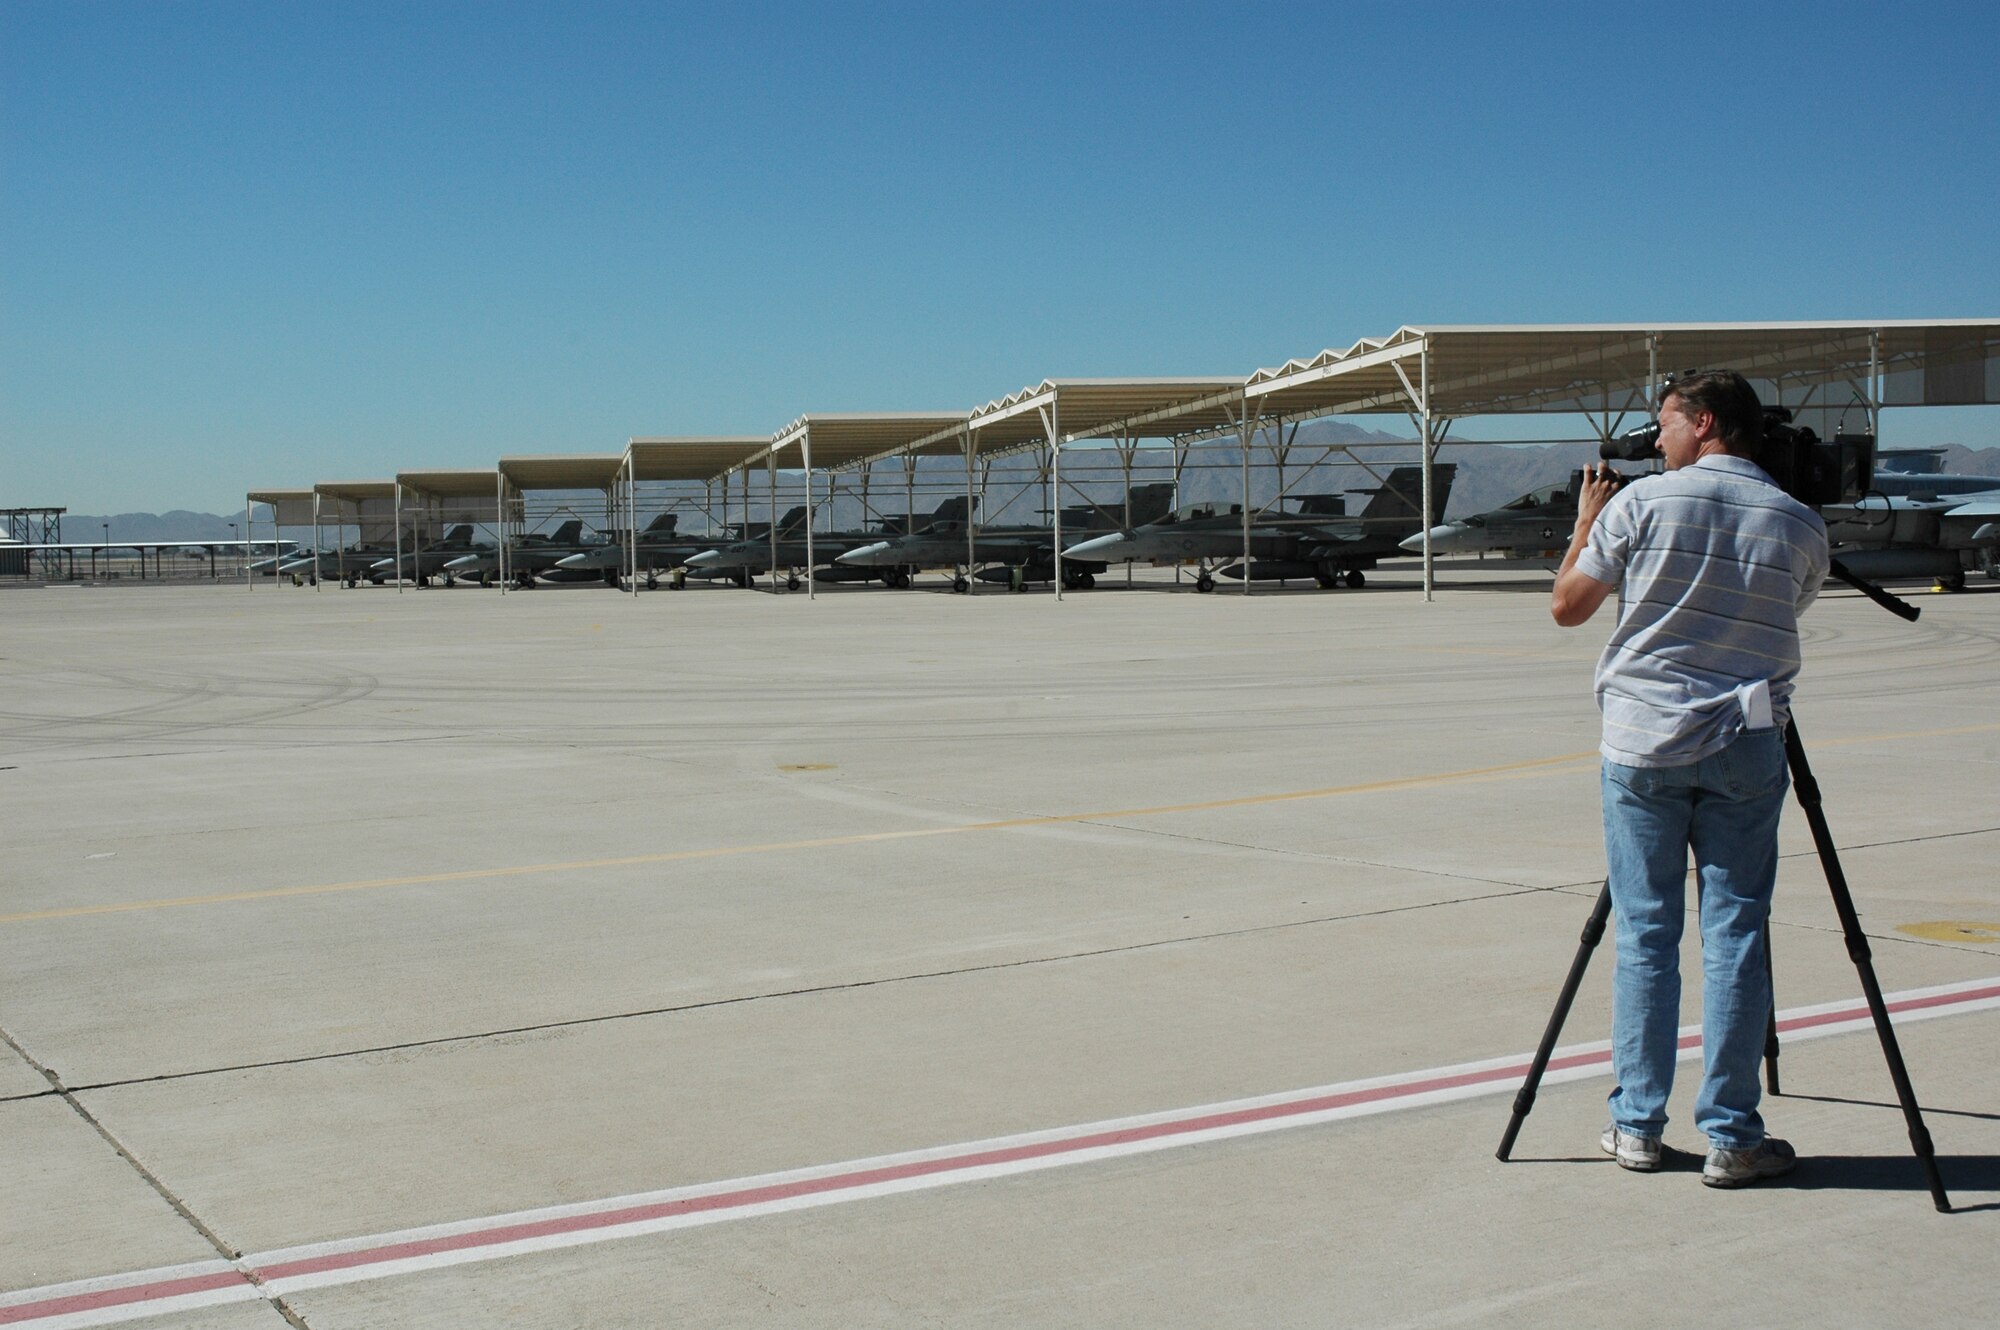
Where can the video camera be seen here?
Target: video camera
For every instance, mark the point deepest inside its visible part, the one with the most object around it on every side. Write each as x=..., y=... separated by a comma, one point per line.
x=1811, y=470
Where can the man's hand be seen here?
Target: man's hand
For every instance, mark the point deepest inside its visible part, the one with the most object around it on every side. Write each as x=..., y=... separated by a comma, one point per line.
x=1577, y=595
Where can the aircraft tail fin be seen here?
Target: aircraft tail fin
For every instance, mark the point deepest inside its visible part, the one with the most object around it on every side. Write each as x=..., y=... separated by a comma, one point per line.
x=1400, y=498
x=1152, y=502
x=663, y=525
x=1322, y=505
x=459, y=535
x=568, y=532
x=795, y=520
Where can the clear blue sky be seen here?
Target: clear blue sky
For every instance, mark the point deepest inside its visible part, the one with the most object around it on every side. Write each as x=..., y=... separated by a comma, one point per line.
x=263, y=244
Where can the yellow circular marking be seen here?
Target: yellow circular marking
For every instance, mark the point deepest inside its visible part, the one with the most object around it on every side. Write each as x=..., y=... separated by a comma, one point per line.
x=1953, y=930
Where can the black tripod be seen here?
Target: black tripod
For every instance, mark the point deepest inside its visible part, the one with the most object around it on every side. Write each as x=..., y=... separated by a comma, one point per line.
x=1807, y=790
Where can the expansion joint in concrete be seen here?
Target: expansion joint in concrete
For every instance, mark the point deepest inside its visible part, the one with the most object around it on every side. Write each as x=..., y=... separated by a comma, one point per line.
x=151, y=1179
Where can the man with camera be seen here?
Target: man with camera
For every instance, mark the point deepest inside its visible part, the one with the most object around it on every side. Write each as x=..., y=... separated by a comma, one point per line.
x=1713, y=563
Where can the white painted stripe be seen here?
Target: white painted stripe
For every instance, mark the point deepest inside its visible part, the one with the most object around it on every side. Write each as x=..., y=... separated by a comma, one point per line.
x=495, y=1237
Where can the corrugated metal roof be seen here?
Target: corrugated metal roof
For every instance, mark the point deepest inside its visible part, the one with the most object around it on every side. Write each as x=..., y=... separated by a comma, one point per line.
x=839, y=439
x=585, y=471
x=1108, y=408
x=1538, y=368
x=702, y=458
x=450, y=484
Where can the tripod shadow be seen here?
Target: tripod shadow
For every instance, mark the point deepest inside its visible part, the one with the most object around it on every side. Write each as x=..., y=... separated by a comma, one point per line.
x=1930, y=1110
x=1901, y=1172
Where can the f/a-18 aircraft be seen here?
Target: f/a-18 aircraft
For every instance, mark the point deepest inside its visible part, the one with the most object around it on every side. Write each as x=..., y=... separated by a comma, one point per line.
x=527, y=555
x=743, y=560
x=1010, y=555
x=1316, y=540
x=420, y=565
x=659, y=548
x=349, y=564
x=1535, y=526
x=1918, y=522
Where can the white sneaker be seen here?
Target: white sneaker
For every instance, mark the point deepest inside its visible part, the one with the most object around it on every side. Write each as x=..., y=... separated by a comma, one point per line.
x=1639, y=1153
x=1769, y=1158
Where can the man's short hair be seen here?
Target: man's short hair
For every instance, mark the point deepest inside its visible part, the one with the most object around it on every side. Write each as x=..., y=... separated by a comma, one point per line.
x=1726, y=395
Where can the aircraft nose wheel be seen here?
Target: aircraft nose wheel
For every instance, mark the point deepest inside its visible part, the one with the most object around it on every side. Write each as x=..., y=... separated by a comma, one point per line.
x=1355, y=580
x=792, y=582
x=652, y=581
x=960, y=585
x=1204, y=583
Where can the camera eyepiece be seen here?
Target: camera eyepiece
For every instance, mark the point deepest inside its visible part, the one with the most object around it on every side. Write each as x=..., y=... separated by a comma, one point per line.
x=1634, y=445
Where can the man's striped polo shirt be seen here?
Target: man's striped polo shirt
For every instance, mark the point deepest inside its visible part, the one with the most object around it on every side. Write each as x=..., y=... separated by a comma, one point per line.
x=1713, y=563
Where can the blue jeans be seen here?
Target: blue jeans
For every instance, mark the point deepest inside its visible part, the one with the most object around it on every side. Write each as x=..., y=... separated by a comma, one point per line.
x=1725, y=808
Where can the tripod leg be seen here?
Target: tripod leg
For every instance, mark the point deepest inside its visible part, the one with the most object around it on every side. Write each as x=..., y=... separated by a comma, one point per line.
x=1524, y=1098
x=1858, y=951
x=1771, y=1024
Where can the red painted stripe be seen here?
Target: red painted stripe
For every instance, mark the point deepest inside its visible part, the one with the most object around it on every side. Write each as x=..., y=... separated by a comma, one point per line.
x=752, y=1196
x=119, y=1297
x=746, y=1197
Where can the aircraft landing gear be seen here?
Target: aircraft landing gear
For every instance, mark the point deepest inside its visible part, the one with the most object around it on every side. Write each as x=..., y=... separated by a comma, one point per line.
x=486, y=579
x=1952, y=581
x=1204, y=582
x=350, y=582
x=1327, y=575
x=743, y=578
x=652, y=580
x=900, y=579
x=961, y=584
x=451, y=579
x=1355, y=581
x=792, y=582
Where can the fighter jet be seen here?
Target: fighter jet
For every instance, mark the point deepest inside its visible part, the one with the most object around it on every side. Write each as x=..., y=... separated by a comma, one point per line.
x=350, y=564
x=420, y=565
x=1919, y=522
x=1316, y=539
x=527, y=555
x=1011, y=555
x=742, y=561
x=659, y=548
x=1535, y=526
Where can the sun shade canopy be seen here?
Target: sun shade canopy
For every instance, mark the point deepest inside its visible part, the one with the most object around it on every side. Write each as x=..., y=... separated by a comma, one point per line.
x=449, y=484
x=840, y=439
x=589, y=471
x=1567, y=368
x=1108, y=408
x=692, y=458
x=288, y=507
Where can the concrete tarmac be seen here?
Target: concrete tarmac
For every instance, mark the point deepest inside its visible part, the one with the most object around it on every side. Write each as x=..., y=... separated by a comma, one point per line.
x=574, y=958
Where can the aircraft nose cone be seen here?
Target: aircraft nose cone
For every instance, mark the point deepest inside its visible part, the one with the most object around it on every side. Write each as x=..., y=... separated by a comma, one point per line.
x=706, y=559
x=573, y=561
x=1100, y=548
x=867, y=556
x=1445, y=538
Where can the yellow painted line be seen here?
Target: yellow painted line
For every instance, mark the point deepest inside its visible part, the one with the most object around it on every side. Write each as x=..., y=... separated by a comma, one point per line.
x=1511, y=769
x=1953, y=930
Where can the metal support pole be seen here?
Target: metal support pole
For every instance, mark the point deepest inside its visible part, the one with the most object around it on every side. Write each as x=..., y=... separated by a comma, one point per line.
x=1051, y=421
x=771, y=491
x=1245, y=430
x=506, y=533
x=1875, y=385
x=1429, y=446
x=806, y=456
x=971, y=511
x=249, y=532
x=397, y=518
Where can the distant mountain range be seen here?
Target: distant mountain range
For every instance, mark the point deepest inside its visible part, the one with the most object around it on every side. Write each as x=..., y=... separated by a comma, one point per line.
x=1488, y=476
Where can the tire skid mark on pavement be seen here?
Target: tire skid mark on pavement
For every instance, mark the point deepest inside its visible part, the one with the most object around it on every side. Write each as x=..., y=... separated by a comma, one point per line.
x=116, y=1299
